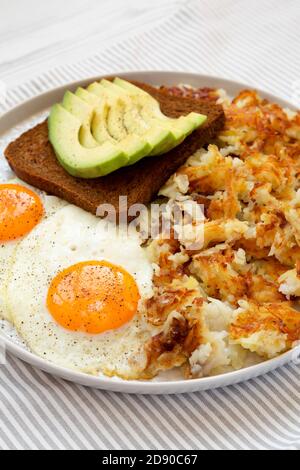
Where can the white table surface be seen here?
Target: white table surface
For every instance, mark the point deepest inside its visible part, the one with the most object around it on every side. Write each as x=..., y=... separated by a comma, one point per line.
x=36, y=35
x=256, y=42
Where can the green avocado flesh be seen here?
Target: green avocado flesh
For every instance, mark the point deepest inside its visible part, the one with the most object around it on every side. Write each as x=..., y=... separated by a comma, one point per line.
x=180, y=128
x=64, y=129
x=110, y=125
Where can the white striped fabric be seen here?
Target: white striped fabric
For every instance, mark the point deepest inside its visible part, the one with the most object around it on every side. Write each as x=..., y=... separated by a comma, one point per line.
x=256, y=42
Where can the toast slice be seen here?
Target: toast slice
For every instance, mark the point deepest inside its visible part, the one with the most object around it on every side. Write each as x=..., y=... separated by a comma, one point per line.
x=33, y=160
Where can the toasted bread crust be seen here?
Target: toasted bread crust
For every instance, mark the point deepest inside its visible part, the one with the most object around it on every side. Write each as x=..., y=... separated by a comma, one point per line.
x=33, y=160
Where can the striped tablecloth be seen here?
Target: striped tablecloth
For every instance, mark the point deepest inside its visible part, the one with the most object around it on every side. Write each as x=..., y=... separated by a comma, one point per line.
x=256, y=42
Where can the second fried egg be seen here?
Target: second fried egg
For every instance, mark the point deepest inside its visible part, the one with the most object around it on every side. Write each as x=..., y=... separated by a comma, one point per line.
x=75, y=291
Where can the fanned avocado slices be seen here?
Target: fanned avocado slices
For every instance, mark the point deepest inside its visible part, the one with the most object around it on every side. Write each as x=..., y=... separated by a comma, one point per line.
x=110, y=125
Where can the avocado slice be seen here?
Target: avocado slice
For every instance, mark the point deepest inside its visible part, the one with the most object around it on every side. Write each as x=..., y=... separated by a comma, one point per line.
x=113, y=88
x=150, y=111
x=114, y=118
x=108, y=124
x=195, y=118
x=99, y=123
x=181, y=127
x=157, y=137
x=88, y=97
x=123, y=120
x=160, y=137
x=79, y=161
x=116, y=132
x=84, y=112
x=133, y=146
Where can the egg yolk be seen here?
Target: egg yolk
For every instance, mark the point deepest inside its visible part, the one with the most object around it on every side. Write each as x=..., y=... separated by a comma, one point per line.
x=93, y=297
x=20, y=211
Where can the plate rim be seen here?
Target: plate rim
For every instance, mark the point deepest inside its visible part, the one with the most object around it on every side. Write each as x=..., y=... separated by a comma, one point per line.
x=148, y=387
x=27, y=109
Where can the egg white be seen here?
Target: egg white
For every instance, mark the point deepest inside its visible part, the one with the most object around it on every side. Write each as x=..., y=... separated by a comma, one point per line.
x=51, y=205
x=71, y=236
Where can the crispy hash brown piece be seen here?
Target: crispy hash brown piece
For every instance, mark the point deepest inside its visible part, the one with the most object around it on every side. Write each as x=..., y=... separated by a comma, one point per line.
x=267, y=329
x=180, y=337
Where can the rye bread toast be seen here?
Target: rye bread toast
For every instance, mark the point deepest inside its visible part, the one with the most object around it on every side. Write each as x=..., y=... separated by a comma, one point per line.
x=33, y=160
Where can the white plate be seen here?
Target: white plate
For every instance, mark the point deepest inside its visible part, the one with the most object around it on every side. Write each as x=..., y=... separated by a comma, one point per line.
x=25, y=112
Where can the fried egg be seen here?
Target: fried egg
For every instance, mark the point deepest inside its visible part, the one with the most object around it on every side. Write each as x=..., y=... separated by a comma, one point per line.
x=22, y=209
x=75, y=292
